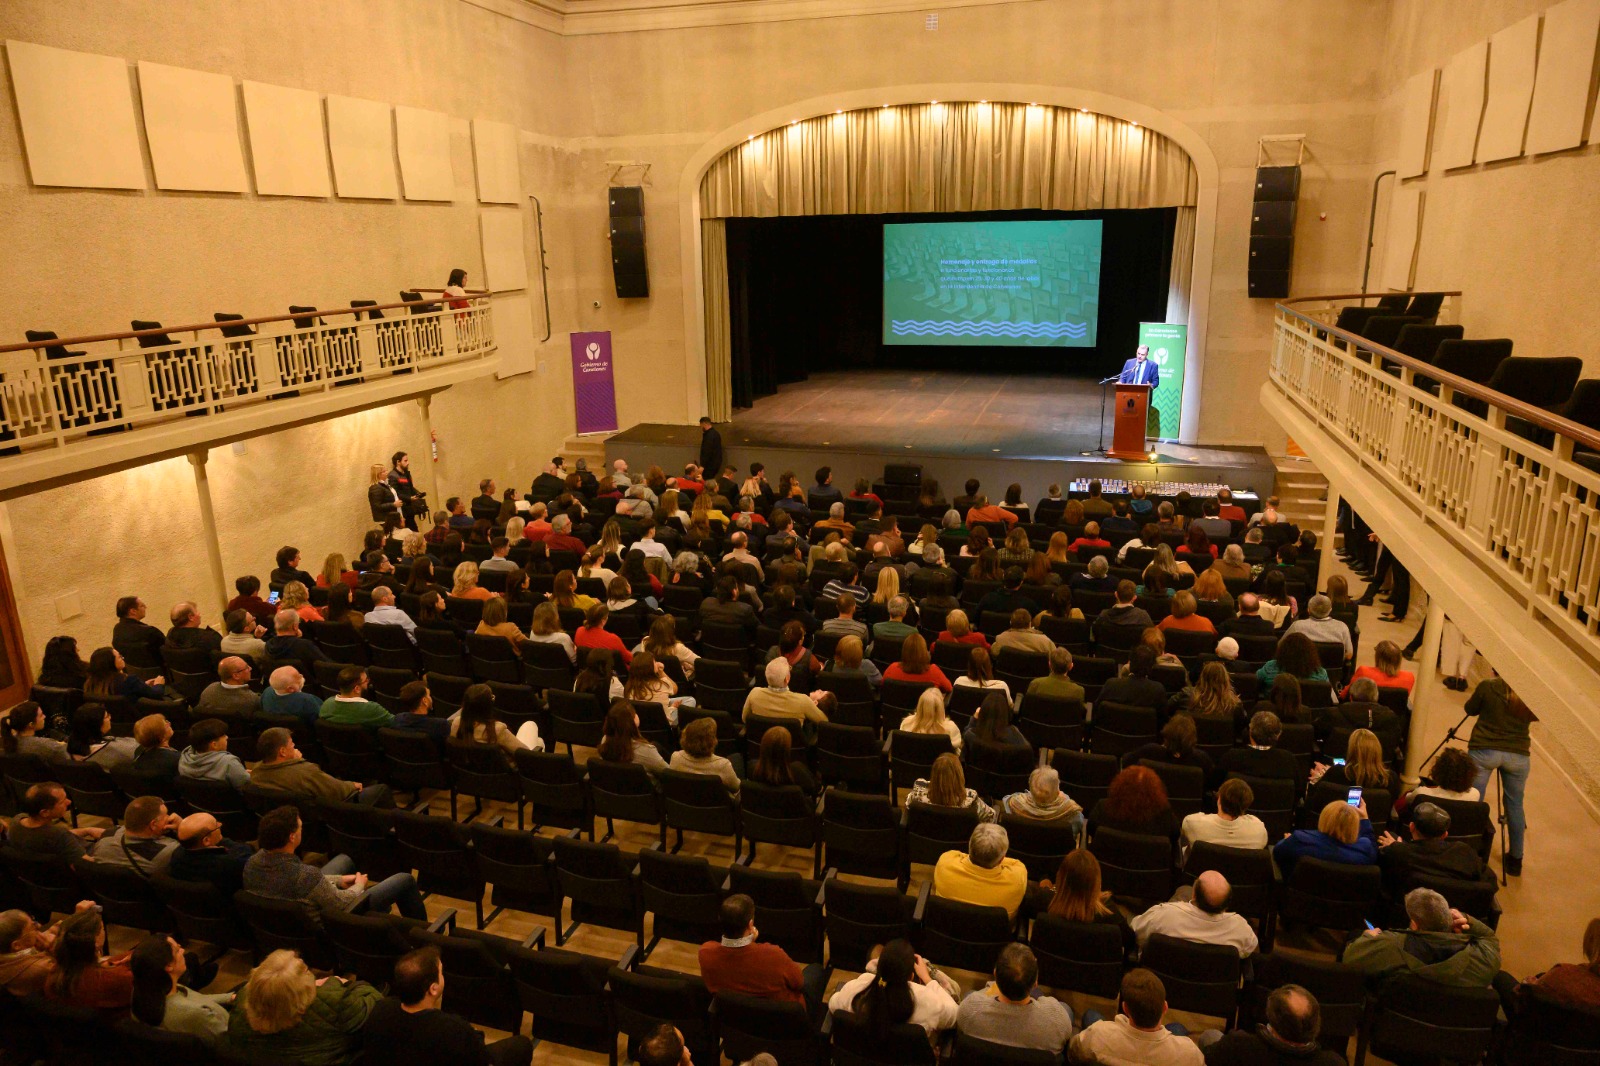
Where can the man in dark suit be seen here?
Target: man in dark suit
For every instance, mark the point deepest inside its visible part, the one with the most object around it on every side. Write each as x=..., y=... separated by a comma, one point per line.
x=485, y=504
x=1137, y=687
x=382, y=500
x=710, y=447
x=1124, y=612
x=188, y=632
x=137, y=640
x=548, y=485
x=413, y=501
x=1262, y=757
x=1430, y=855
x=1248, y=622
x=727, y=609
x=1363, y=711
x=1140, y=370
x=1008, y=597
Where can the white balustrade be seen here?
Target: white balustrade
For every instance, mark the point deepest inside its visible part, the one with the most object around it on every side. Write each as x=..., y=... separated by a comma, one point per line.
x=51, y=396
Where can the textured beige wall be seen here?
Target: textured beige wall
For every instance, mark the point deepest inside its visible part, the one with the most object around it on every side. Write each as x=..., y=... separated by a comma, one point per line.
x=79, y=261
x=1517, y=237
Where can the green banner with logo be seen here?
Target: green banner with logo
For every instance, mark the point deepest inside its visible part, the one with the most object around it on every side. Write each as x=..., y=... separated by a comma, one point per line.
x=1167, y=343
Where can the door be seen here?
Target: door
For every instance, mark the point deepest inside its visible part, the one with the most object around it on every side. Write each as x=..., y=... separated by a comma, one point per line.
x=15, y=677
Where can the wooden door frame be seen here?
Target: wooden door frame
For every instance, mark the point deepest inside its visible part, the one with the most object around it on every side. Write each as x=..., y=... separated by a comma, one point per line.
x=11, y=635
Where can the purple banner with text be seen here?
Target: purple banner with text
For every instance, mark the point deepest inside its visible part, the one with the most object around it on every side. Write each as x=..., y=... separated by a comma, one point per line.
x=594, y=394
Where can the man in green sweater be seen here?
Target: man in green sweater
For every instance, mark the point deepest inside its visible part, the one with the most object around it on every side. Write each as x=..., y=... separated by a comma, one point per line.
x=351, y=706
x=1056, y=684
x=1442, y=945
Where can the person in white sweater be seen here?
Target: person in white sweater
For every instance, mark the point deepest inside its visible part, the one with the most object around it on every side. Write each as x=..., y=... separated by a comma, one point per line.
x=899, y=987
x=1204, y=919
x=1231, y=826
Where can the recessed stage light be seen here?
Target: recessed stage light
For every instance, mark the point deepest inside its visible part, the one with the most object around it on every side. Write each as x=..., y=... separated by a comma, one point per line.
x=983, y=101
x=1136, y=124
x=794, y=122
x=1085, y=110
x=839, y=112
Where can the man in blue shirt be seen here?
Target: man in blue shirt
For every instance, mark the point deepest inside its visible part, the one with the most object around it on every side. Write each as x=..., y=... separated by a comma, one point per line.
x=285, y=694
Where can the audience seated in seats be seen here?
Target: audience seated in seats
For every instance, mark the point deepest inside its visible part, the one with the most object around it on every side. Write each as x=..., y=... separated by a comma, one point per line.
x=1289, y=1035
x=698, y=755
x=1361, y=710
x=1097, y=578
x=285, y=694
x=1008, y=599
x=1226, y=508
x=286, y=1014
x=206, y=856
x=980, y=674
x=82, y=976
x=1045, y=802
x=1176, y=747
x=727, y=609
x=1136, y=802
x=1283, y=700
x=982, y=875
x=189, y=632
x=153, y=756
x=777, y=701
x=825, y=489
x=1123, y=614
x=740, y=963
x=243, y=635
x=132, y=635
x=663, y=643
x=1343, y=835
x=1021, y=636
x=546, y=629
x=1451, y=777
x=916, y=665
x=409, y=1028
x=1096, y=505
x=1428, y=855
x=287, y=643
x=385, y=613
x=1232, y=826
x=845, y=623
x=835, y=523
x=350, y=706
x=929, y=717
x=775, y=767
x=465, y=582
x=1322, y=627
x=277, y=871
x=92, y=742
x=1440, y=944
x=895, y=631
x=1261, y=757
x=476, y=722
x=1056, y=684
x=849, y=660
x=1572, y=985
x=144, y=841
x=621, y=741
x=803, y=666
x=648, y=682
x=1156, y=639
x=249, y=600
x=783, y=609
x=109, y=676
x=1149, y=538
x=1136, y=1034
x=1363, y=765
x=1090, y=540
x=959, y=630
x=1386, y=670
x=37, y=829
x=992, y=724
x=61, y=666
x=1076, y=896
x=413, y=712
x=946, y=786
x=207, y=757
x=1136, y=687
x=1249, y=622
x=297, y=598
x=26, y=962
x=1211, y=696
x=899, y=987
x=283, y=769
x=1183, y=615
x=1277, y=606
x=158, y=964
x=230, y=696
x=1199, y=914
x=1209, y=587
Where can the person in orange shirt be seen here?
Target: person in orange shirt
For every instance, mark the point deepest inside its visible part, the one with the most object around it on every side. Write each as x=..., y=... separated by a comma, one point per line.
x=1183, y=615
x=983, y=511
x=1091, y=539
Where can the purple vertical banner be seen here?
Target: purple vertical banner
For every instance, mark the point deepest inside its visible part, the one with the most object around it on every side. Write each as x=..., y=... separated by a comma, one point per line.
x=594, y=396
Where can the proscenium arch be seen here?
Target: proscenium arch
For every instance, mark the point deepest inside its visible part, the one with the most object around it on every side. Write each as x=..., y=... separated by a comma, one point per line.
x=1200, y=154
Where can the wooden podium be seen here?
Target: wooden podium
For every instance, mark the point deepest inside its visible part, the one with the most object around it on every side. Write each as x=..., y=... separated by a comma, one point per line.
x=1128, y=433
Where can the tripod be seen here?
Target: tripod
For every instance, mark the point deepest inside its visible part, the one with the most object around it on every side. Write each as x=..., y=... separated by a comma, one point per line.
x=1100, y=449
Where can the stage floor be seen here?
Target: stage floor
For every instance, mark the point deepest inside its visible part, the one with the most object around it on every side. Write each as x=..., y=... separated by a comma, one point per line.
x=1032, y=429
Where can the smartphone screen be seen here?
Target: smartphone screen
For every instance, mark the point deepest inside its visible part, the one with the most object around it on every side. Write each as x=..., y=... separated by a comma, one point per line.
x=1354, y=798
x=1338, y=762
x=1368, y=924
x=272, y=597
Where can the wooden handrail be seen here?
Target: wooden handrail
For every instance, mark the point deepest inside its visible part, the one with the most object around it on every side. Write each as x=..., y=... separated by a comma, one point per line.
x=1371, y=296
x=1583, y=435
x=96, y=338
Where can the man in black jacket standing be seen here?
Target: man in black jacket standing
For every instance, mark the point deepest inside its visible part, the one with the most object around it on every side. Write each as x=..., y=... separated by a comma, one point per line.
x=412, y=500
x=710, y=447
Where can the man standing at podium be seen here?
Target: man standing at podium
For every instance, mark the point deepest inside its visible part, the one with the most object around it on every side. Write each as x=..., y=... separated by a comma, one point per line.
x=1140, y=370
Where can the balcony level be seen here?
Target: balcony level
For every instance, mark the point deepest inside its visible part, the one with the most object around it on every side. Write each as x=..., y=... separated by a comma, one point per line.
x=1491, y=502
x=80, y=407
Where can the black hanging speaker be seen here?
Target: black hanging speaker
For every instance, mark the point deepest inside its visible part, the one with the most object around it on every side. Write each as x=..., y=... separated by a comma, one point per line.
x=1272, y=218
x=628, y=265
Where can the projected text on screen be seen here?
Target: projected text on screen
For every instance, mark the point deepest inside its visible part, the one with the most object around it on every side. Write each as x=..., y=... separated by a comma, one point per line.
x=992, y=283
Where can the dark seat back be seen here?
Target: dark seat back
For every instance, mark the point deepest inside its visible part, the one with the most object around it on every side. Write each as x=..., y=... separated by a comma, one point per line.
x=1200, y=978
x=1082, y=957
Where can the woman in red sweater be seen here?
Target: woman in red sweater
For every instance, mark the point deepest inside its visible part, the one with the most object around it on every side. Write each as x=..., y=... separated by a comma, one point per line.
x=959, y=630
x=916, y=665
x=82, y=977
x=594, y=634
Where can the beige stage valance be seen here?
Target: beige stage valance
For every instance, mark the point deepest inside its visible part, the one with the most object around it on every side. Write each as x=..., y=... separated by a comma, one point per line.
x=949, y=157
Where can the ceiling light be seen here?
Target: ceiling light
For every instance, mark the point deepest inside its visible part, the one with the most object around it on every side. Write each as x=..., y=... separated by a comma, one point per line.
x=935, y=103
x=1085, y=110
x=839, y=112
x=1136, y=124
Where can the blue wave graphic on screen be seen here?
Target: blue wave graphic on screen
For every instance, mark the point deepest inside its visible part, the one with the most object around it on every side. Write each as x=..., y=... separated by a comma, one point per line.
x=912, y=327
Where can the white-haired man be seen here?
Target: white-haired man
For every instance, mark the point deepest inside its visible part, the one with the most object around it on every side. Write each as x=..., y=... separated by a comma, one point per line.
x=776, y=701
x=285, y=694
x=982, y=875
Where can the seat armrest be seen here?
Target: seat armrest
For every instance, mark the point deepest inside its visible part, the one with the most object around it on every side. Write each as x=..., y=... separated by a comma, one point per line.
x=629, y=959
x=497, y=822
x=446, y=923
x=922, y=901
x=827, y=1025
x=535, y=940
x=420, y=807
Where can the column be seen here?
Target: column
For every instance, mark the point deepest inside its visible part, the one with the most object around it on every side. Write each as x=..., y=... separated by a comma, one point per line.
x=1427, y=700
x=1330, y=529
x=424, y=403
x=208, y=524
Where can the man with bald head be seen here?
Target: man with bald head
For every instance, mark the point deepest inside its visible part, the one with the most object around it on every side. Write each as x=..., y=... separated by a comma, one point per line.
x=1288, y=1035
x=1248, y=622
x=385, y=613
x=285, y=694
x=188, y=631
x=229, y=697
x=1200, y=914
x=205, y=855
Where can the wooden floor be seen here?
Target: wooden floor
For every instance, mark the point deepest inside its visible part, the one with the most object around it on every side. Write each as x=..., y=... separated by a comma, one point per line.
x=1545, y=910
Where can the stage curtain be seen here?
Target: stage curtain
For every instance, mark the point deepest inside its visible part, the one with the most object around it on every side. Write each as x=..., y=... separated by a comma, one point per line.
x=719, y=360
x=949, y=157
x=1179, y=277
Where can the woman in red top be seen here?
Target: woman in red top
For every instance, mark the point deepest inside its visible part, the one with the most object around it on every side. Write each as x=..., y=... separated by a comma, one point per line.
x=1091, y=539
x=334, y=569
x=1387, y=672
x=1183, y=615
x=1197, y=543
x=864, y=492
x=916, y=665
x=82, y=978
x=958, y=630
x=594, y=634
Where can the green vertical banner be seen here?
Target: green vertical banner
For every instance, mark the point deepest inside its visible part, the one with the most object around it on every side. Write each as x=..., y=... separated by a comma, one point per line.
x=1168, y=343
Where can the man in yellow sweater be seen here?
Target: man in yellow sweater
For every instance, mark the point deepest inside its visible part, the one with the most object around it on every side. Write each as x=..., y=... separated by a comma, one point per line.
x=982, y=875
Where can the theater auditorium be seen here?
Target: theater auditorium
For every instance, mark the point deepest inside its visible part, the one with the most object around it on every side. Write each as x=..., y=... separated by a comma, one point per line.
x=1003, y=532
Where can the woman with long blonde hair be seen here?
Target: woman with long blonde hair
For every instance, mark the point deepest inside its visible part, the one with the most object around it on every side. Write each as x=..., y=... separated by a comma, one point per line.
x=1212, y=694
x=335, y=572
x=888, y=586
x=929, y=717
x=1363, y=764
x=296, y=597
x=514, y=527
x=1056, y=550
x=465, y=586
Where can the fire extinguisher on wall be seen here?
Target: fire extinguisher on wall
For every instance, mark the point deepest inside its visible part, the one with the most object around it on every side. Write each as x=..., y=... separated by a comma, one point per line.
x=433, y=443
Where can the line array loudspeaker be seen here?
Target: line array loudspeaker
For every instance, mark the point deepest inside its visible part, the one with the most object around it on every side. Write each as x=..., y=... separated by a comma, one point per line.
x=630, y=268
x=1272, y=218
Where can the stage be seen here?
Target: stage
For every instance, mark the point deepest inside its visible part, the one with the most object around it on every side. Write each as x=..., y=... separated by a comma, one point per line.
x=1032, y=429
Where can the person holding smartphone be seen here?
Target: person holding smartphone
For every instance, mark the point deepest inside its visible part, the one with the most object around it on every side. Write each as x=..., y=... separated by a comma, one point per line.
x=1343, y=835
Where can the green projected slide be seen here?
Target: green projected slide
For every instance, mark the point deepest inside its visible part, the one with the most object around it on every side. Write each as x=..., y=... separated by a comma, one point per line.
x=1024, y=284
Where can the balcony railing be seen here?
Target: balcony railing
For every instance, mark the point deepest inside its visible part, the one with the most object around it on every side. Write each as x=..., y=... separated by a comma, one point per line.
x=56, y=392
x=1500, y=480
